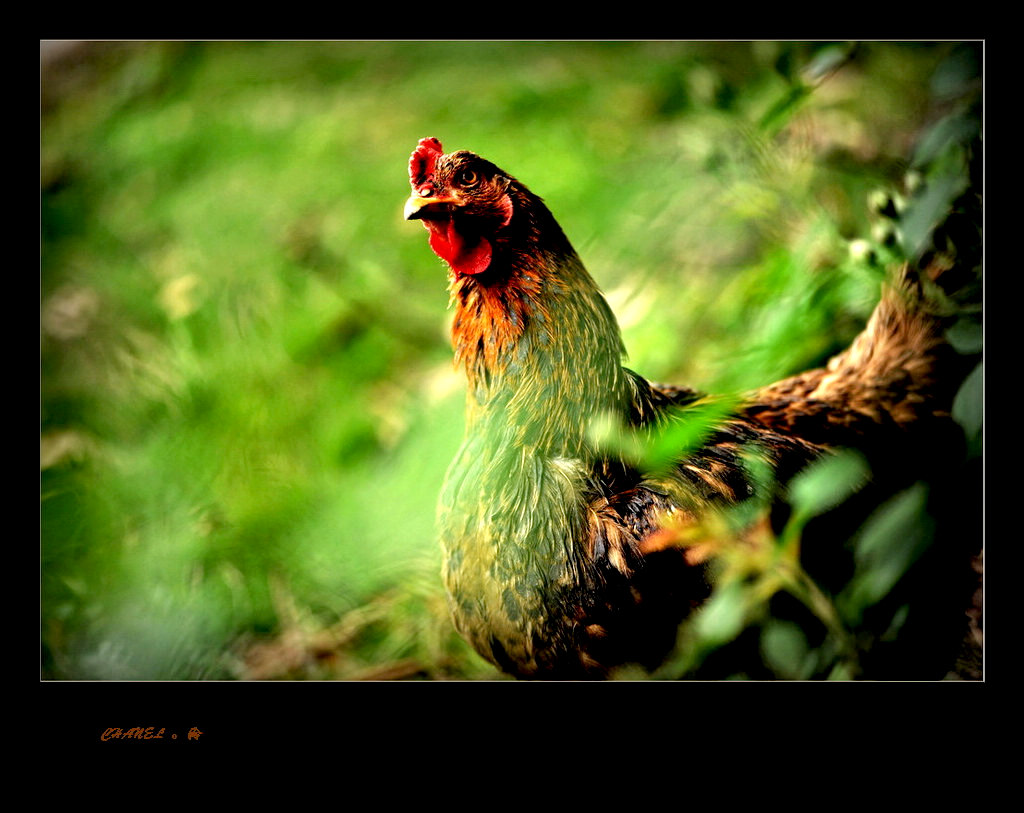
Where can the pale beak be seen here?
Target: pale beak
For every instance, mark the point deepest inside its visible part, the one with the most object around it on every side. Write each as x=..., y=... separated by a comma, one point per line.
x=417, y=208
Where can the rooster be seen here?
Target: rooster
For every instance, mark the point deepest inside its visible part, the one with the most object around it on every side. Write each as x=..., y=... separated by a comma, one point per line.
x=563, y=560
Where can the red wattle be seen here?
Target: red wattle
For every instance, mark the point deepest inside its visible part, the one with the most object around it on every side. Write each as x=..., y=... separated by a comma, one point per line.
x=463, y=257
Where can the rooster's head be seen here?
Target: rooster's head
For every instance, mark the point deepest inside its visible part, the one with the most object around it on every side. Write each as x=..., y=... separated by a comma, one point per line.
x=462, y=200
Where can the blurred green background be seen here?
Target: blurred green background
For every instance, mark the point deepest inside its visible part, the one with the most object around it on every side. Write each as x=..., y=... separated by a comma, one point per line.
x=247, y=397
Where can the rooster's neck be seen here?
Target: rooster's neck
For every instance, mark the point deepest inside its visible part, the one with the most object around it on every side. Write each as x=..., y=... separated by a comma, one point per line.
x=541, y=350
x=542, y=355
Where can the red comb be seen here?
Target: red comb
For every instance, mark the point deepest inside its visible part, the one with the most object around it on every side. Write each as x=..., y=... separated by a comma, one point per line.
x=422, y=161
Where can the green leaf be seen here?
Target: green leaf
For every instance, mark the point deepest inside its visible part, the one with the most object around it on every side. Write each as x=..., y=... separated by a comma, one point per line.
x=966, y=336
x=826, y=483
x=827, y=60
x=927, y=210
x=893, y=538
x=948, y=132
x=780, y=113
x=724, y=616
x=969, y=403
x=684, y=433
x=784, y=648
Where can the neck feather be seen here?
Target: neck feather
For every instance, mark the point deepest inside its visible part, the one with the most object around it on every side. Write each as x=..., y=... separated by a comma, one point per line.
x=540, y=348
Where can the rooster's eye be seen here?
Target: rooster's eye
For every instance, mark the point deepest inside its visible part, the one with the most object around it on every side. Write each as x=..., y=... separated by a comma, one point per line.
x=467, y=177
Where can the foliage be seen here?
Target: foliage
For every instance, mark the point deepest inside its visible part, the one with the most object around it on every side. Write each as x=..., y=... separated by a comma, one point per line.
x=247, y=400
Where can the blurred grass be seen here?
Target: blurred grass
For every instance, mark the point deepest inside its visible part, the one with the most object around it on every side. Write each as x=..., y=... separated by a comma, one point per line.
x=247, y=401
